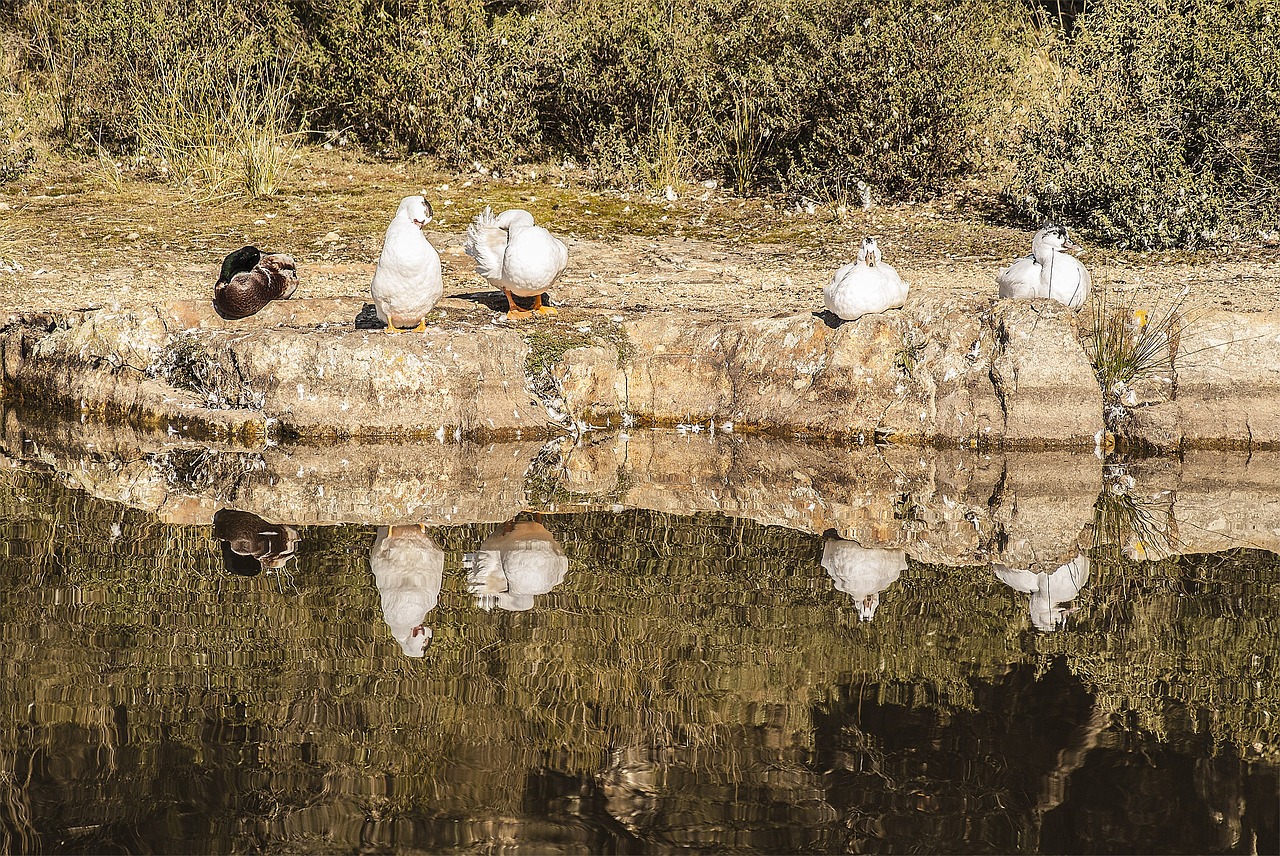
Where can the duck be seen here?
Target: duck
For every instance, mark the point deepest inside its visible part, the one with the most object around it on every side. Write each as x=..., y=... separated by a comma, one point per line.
x=862, y=572
x=250, y=279
x=514, y=565
x=408, y=569
x=1048, y=591
x=250, y=543
x=1048, y=272
x=516, y=256
x=865, y=286
x=408, y=281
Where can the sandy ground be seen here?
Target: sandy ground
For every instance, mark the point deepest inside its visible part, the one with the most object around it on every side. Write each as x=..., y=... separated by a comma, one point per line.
x=77, y=239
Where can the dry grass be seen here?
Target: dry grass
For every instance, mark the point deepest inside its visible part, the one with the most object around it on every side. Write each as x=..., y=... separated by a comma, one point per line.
x=221, y=129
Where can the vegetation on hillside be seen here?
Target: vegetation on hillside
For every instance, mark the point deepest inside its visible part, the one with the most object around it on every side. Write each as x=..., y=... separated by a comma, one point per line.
x=1152, y=124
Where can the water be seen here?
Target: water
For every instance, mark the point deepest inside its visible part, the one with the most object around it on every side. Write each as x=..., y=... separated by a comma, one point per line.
x=613, y=679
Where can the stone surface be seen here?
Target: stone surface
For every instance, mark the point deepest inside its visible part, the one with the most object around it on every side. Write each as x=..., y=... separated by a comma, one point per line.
x=1004, y=374
x=1226, y=389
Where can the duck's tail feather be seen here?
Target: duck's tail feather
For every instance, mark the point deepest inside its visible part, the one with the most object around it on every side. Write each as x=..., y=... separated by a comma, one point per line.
x=487, y=244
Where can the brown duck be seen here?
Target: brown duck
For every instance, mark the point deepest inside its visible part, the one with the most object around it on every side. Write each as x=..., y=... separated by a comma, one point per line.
x=250, y=280
x=250, y=543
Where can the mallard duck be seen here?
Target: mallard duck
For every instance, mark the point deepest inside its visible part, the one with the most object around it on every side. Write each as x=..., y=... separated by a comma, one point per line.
x=250, y=280
x=514, y=564
x=862, y=572
x=1048, y=590
x=408, y=568
x=865, y=286
x=1048, y=272
x=408, y=282
x=250, y=543
x=516, y=256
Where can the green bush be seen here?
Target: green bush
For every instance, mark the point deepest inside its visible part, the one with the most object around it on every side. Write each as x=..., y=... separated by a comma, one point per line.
x=790, y=93
x=1168, y=132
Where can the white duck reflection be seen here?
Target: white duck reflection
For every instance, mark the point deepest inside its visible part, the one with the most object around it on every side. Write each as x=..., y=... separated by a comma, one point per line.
x=514, y=565
x=408, y=568
x=862, y=572
x=1048, y=590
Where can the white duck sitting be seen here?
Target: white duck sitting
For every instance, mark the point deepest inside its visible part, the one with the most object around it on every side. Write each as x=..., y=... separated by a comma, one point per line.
x=408, y=281
x=865, y=286
x=516, y=256
x=408, y=568
x=515, y=564
x=1048, y=590
x=862, y=572
x=1048, y=272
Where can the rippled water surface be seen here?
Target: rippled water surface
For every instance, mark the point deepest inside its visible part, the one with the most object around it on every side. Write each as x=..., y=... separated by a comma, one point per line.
x=616, y=680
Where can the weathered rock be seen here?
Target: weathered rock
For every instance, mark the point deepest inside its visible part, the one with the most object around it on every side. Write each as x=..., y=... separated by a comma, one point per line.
x=1042, y=376
x=1226, y=389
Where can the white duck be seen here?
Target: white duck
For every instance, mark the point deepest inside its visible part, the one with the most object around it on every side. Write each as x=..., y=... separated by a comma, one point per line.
x=1048, y=272
x=515, y=564
x=865, y=286
x=408, y=281
x=862, y=572
x=408, y=568
x=516, y=256
x=1048, y=590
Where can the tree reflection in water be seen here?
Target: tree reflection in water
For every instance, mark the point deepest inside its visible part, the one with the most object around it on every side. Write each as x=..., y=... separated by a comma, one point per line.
x=673, y=682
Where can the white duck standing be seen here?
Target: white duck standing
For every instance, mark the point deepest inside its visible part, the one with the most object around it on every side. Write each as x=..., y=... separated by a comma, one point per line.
x=1048, y=590
x=408, y=568
x=865, y=286
x=516, y=256
x=1048, y=272
x=408, y=282
x=862, y=572
x=514, y=565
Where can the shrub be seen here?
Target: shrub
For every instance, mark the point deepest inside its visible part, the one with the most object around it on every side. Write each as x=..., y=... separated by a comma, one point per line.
x=1169, y=128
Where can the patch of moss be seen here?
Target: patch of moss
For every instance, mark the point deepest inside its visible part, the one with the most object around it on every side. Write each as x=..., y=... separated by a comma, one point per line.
x=551, y=339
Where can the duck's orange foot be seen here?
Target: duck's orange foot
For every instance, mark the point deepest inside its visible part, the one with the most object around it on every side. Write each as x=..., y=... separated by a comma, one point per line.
x=542, y=308
x=516, y=314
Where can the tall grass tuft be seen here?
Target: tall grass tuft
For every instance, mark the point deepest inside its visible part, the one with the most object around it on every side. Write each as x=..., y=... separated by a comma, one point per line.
x=220, y=127
x=1127, y=344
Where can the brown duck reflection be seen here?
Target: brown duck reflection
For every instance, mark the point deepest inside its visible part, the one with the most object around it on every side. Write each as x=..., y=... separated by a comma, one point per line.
x=1048, y=591
x=862, y=572
x=408, y=568
x=250, y=543
x=514, y=565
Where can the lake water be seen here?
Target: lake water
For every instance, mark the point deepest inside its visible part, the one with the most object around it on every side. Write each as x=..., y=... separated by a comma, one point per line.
x=602, y=678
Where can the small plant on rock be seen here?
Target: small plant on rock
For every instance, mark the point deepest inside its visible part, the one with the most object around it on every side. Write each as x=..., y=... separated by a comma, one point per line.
x=1127, y=344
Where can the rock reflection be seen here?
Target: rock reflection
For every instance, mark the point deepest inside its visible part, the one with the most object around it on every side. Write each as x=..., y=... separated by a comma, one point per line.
x=630, y=787
x=408, y=568
x=862, y=572
x=250, y=543
x=514, y=565
x=1048, y=591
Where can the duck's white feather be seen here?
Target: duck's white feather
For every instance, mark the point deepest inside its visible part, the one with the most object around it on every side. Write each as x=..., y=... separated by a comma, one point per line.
x=408, y=568
x=408, y=282
x=512, y=567
x=864, y=287
x=513, y=253
x=862, y=572
x=1047, y=590
x=1049, y=272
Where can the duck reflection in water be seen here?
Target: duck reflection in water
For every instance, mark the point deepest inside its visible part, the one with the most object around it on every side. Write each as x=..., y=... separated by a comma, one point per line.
x=1048, y=590
x=514, y=565
x=862, y=572
x=250, y=543
x=408, y=568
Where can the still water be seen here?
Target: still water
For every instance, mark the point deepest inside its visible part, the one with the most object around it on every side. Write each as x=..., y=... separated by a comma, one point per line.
x=616, y=680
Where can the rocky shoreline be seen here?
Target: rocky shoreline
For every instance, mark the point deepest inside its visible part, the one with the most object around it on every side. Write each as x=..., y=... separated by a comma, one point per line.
x=942, y=371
